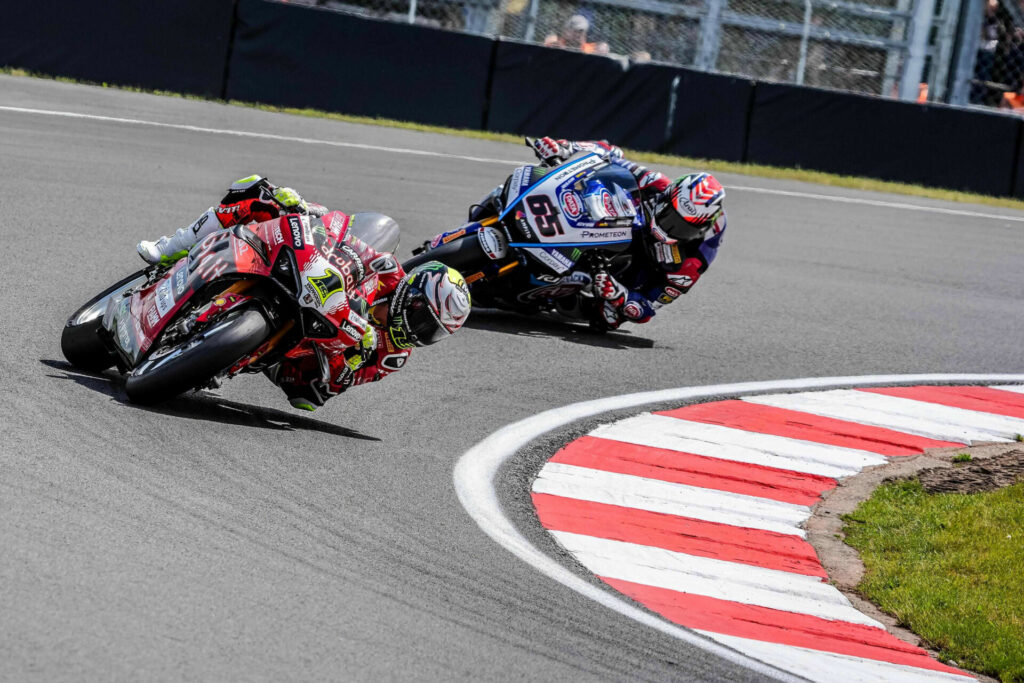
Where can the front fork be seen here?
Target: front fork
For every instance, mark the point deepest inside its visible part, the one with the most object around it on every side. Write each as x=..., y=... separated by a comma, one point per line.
x=234, y=296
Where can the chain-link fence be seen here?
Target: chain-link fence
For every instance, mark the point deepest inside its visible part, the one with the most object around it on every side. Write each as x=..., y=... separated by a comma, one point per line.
x=998, y=76
x=924, y=50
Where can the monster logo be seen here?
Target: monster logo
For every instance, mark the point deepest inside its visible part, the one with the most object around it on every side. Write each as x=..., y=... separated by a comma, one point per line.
x=455, y=277
x=327, y=284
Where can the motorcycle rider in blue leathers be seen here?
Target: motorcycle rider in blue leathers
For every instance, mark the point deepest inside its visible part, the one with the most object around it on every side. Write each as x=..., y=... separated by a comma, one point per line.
x=682, y=237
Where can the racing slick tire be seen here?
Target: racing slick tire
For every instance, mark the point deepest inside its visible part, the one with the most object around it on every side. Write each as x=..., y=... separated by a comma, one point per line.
x=195, y=361
x=80, y=341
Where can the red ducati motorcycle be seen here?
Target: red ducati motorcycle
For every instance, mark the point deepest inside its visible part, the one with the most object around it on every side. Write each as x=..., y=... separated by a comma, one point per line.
x=243, y=299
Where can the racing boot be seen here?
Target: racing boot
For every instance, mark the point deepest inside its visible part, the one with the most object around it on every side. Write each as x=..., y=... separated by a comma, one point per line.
x=170, y=248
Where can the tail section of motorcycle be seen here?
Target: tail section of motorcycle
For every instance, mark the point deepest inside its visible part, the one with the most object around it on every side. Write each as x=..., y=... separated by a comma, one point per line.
x=479, y=250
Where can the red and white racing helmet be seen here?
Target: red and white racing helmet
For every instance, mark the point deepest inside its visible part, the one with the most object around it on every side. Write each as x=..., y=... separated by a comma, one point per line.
x=430, y=303
x=691, y=206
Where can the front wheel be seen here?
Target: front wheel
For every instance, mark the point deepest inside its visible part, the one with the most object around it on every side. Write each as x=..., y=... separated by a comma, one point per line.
x=80, y=341
x=198, y=359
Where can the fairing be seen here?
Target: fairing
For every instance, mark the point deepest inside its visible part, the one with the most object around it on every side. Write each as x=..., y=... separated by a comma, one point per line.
x=318, y=252
x=583, y=204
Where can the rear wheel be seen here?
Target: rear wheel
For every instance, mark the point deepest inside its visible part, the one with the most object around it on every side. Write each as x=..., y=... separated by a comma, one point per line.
x=80, y=341
x=195, y=361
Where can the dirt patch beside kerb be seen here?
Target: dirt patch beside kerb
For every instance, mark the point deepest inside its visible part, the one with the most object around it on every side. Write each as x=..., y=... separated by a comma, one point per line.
x=991, y=466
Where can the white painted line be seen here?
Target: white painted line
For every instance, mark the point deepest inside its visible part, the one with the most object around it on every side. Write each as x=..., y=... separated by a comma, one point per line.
x=902, y=414
x=625, y=490
x=727, y=443
x=879, y=203
x=485, y=160
x=1018, y=388
x=259, y=136
x=719, y=579
x=475, y=472
x=829, y=667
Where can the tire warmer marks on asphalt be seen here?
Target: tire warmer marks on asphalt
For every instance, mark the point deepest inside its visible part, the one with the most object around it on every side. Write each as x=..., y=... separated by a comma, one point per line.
x=697, y=513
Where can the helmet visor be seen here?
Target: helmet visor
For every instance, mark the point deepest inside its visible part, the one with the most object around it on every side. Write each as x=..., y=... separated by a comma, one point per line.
x=678, y=227
x=421, y=322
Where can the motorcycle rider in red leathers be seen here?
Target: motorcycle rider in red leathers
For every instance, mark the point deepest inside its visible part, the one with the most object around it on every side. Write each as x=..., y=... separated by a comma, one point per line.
x=390, y=311
x=680, y=242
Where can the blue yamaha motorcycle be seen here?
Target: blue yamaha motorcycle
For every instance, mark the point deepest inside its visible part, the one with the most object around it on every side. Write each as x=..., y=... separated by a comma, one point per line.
x=535, y=243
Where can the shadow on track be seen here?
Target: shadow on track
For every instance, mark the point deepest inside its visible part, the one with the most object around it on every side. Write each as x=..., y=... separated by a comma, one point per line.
x=493, y=320
x=203, y=406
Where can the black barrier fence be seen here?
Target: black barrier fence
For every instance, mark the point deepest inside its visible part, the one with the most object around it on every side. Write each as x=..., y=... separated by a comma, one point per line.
x=1018, y=177
x=303, y=57
x=850, y=134
x=180, y=46
x=298, y=56
x=539, y=91
x=710, y=114
x=542, y=91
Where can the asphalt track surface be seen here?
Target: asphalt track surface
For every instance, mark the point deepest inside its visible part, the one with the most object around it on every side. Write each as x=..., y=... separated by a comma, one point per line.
x=224, y=536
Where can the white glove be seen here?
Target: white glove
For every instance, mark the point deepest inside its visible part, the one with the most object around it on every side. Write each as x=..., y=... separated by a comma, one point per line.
x=551, y=151
x=609, y=289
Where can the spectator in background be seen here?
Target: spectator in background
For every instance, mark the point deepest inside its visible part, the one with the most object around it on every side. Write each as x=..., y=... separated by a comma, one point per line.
x=574, y=37
x=1012, y=58
x=1013, y=65
x=991, y=33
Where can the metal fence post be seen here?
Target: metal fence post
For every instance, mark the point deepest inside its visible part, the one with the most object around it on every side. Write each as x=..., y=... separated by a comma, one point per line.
x=894, y=56
x=710, y=34
x=971, y=16
x=938, y=78
x=801, y=66
x=531, y=21
x=920, y=30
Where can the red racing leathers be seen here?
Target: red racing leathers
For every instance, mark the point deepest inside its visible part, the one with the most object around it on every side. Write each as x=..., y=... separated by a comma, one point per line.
x=375, y=356
x=663, y=269
x=370, y=278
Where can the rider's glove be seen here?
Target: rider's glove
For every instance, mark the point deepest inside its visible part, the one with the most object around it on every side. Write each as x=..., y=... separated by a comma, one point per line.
x=290, y=200
x=356, y=356
x=551, y=151
x=608, y=288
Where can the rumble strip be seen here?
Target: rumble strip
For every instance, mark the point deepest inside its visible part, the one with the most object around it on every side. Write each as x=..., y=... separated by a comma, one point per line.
x=696, y=512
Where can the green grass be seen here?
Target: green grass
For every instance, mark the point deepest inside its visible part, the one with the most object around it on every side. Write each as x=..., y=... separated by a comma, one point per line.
x=951, y=568
x=757, y=170
x=962, y=457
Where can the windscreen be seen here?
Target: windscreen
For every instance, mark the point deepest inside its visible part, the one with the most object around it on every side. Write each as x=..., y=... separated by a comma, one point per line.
x=380, y=232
